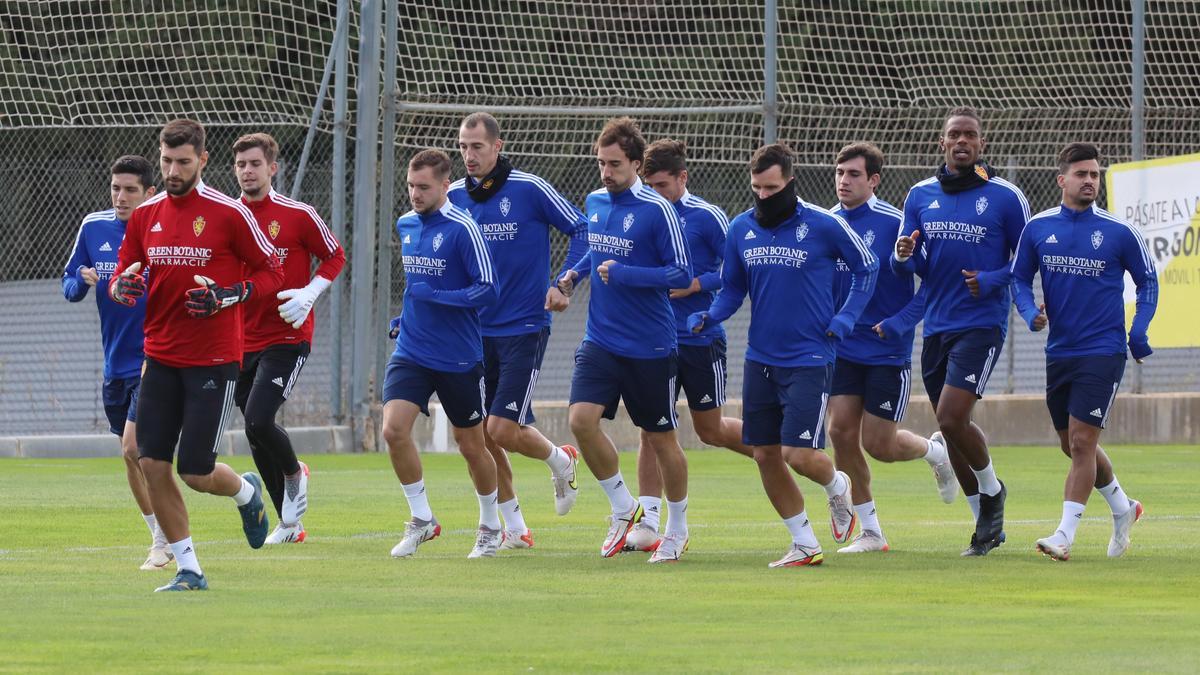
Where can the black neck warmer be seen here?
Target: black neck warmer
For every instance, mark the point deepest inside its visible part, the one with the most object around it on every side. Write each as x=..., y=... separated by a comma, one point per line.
x=773, y=210
x=481, y=191
x=953, y=183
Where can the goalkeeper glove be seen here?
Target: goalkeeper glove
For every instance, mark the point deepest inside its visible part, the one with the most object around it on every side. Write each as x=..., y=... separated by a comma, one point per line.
x=300, y=301
x=210, y=298
x=394, y=328
x=128, y=286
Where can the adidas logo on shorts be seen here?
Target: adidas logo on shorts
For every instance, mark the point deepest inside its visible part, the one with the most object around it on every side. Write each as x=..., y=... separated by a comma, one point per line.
x=1097, y=413
x=106, y=246
x=278, y=381
x=886, y=405
x=512, y=406
x=806, y=436
x=157, y=227
x=209, y=385
x=971, y=378
x=706, y=399
x=474, y=415
x=662, y=421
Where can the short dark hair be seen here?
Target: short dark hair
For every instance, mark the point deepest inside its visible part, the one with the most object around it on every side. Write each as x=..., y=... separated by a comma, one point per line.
x=268, y=144
x=183, y=132
x=666, y=154
x=136, y=165
x=963, y=111
x=871, y=154
x=624, y=132
x=1076, y=152
x=435, y=159
x=490, y=125
x=775, y=154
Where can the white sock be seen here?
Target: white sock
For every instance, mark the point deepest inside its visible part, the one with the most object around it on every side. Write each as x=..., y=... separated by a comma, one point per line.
x=652, y=511
x=513, y=520
x=1118, y=501
x=244, y=493
x=185, y=556
x=151, y=522
x=677, y=517
x=489, y=515
x=837, y=486
x=618, y=494
x=559, y=461
x=801, y=529
x=988, y=483
x=1072, y=514
x=935, y=453
x=973, y=502
x=418, y=500
x=867, y=518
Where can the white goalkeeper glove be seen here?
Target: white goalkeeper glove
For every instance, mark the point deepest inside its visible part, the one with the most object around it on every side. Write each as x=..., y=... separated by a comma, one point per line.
x=300, y=300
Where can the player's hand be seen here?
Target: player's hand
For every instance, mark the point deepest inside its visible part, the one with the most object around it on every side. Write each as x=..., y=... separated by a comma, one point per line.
x=420, y=291
x=677, y=293
x=299, y=304
x=566, y=283
x=878, y=328
x=394, y=328
x=556, y=300
x=971, y=277
x=1039, y=322
x=606, y=267
x=696, y=322
x=1139, y=347
x=209, y=297
x=839, y=327
x=128, y=286
x=89, y=276
x=906, y=245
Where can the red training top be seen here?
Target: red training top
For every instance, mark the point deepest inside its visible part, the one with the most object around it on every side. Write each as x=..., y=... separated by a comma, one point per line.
x=203, y=232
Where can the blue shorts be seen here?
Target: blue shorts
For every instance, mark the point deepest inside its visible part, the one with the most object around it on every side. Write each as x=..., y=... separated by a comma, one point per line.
x=883, y=389
x=964, y=360
x=784, y=405
x=1082, y=387
x=702, y=375
x=510, y=371
x=646, y=385
x=120, y=397
x=461, y=394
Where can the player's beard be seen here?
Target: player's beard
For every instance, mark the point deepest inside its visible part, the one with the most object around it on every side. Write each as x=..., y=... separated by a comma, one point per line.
x=184, y=188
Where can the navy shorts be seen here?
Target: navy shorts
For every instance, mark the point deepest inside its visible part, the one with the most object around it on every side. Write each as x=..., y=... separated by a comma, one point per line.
x=511, y=365
x=646, y=385
x=189, y=407
x=120, y=402
x=784, y=405
x=1083, y=387
x=964, y=359
x=461, y=394
x=702, y=375
x=883, y=389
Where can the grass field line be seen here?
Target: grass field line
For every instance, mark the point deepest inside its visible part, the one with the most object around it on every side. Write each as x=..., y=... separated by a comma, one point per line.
x=395, y=534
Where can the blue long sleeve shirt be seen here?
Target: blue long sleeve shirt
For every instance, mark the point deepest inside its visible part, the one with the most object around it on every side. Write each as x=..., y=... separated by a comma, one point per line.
x=631, y=314
x=976, y=229
x=516, y=224
x=895, y=302
x=96, y=245
x=449, y=277
x=705, y=227
x=788, y=273
x=1082, y=258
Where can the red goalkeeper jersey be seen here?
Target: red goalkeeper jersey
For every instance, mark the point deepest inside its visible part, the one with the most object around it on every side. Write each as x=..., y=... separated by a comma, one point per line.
x=203, y=232
x=299, y=235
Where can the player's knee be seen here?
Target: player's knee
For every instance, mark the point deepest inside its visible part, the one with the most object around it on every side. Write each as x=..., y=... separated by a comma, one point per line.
x=1082, y=447
x=582, y=424
x=950, y=421
x=129, y=451
x=394, y=435
x=710, y=434
x=199, y=483
x=504, y=432
x=764, y=456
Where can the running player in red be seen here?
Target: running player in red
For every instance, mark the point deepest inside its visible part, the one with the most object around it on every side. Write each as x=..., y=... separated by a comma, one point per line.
x=278, y=336
x=193, y=337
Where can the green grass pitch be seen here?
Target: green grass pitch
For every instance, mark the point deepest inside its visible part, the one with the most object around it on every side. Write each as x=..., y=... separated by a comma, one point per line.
x=72, y=597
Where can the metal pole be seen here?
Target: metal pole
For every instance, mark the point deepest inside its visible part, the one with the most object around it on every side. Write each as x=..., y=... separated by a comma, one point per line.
x=341, y=128
x=387, y=187
x=1010, y=172
x=366, y=167
x=770, y=68
x=339, y=41
x=1138, y=122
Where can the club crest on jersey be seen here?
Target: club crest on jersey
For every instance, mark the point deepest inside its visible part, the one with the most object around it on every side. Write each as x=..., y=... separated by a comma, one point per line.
x=1097, y=239
x=198, y=225
x=980, y=205
x=628, y=222
x=437, y=241
x=802, y=232
x=273, y=229
x=869, y=237
x=505, y=206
